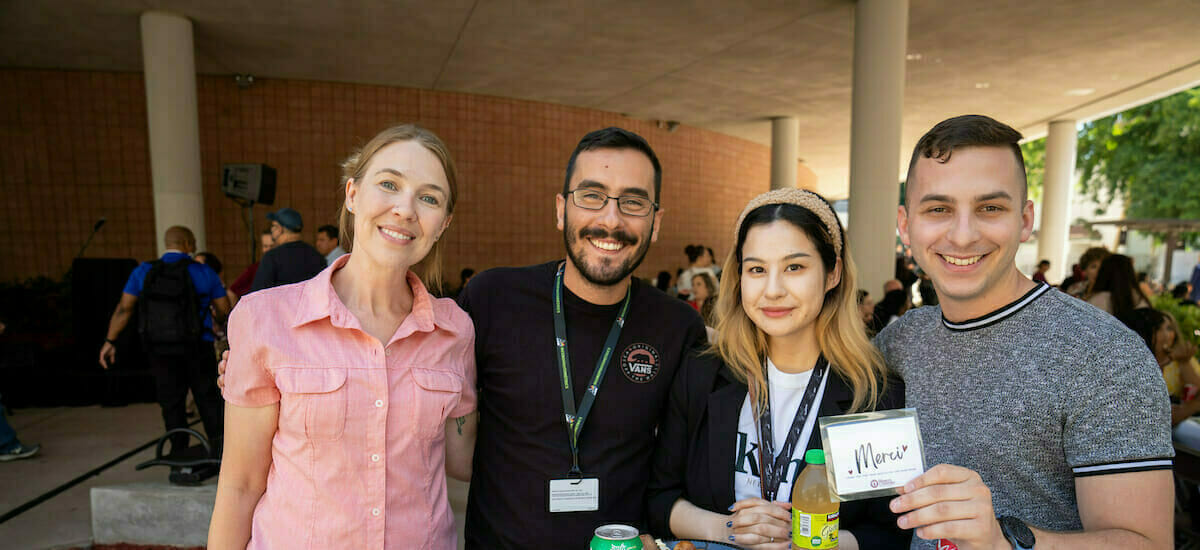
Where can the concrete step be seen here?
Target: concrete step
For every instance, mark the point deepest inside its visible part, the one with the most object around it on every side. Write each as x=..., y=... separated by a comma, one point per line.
x=152, y=513
x=161, y=514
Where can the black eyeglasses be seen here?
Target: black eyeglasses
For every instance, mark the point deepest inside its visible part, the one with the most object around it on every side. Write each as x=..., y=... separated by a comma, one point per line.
x=630, y=205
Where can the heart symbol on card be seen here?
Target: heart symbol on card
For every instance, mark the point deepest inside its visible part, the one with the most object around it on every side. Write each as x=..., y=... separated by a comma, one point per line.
x=851, y=472
x=904, y=447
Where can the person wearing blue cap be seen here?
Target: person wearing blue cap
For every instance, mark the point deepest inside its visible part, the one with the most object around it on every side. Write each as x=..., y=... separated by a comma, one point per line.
x=291, y=260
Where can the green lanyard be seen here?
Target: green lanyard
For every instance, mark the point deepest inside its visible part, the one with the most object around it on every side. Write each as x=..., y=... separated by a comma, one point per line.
x=576, y=419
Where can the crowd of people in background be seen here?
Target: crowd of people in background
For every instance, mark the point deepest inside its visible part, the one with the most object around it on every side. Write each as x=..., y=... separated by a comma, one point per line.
x=1111, y=283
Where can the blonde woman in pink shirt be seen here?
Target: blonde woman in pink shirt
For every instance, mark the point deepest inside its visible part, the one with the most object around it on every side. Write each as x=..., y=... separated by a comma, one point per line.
x=349, y=396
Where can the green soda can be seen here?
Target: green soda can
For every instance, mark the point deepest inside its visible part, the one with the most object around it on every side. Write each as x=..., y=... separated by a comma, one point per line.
x=616, y=537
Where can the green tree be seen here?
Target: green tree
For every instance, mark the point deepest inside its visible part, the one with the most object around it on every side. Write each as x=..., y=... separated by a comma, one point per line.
x=1035, y=165
x=1149, y=156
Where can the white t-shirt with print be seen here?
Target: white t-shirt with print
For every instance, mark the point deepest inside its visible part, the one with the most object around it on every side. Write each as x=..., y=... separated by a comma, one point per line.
x=786, y=391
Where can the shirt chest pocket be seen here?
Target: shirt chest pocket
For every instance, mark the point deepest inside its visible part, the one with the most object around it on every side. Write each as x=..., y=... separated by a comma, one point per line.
x=436, y=393
x=314, y=401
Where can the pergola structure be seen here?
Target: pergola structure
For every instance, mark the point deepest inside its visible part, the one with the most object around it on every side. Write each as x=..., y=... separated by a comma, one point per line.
x=1170, y=228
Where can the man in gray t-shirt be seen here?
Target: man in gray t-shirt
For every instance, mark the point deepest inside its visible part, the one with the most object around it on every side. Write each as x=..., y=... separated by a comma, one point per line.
x=1035, y=407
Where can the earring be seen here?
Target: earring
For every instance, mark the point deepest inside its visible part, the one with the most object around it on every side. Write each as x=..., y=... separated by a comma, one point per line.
x=349, y=209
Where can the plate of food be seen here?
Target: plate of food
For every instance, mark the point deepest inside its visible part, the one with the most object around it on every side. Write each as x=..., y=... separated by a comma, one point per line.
x=671, y=544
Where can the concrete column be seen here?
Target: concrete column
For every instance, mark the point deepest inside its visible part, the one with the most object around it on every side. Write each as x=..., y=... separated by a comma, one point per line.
x=785, y=151
x=170, y=73
x=880, y=39
x=1054, y=232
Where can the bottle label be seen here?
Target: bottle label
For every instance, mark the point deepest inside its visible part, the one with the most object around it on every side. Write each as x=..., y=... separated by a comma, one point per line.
x=814, y=531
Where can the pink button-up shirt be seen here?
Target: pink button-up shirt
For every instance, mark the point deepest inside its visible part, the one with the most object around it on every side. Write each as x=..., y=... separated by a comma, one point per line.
x=358, y=460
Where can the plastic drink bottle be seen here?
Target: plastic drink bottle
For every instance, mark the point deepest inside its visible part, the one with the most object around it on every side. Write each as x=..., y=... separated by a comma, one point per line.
x=814, y=512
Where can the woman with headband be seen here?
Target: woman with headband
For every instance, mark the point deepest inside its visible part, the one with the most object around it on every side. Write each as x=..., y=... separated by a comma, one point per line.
x=790, y=347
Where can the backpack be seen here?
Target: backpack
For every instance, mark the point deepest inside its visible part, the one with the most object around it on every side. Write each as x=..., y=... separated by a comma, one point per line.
x=169, y=317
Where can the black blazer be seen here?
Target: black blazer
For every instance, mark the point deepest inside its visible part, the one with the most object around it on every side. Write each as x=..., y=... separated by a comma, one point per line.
x=696, y=451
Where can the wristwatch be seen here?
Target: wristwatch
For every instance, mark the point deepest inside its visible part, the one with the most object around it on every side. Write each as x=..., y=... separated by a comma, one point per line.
x=1017, y=533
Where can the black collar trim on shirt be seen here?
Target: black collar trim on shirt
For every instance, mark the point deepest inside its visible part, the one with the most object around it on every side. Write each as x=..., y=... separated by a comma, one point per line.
x=1000, y=314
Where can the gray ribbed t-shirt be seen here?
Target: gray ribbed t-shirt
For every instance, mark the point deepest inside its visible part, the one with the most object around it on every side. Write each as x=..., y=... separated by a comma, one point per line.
x=1031, y=396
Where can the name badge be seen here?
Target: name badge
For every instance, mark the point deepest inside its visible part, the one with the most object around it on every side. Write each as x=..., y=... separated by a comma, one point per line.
x=575, y=495
x=871, y=454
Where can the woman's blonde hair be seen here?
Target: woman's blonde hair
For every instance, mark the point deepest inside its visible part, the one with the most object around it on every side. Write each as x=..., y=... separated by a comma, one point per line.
x=355, y=167
x=841, y=334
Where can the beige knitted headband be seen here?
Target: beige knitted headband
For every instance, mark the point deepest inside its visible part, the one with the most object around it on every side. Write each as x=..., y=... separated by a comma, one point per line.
x=804, y=199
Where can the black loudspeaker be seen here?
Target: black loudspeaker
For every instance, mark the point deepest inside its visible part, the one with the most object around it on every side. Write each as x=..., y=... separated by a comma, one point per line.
x=251, y=182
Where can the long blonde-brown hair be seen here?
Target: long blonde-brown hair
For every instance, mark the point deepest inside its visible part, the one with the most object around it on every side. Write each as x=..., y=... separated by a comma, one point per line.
x=355, y=167
x=841, y=334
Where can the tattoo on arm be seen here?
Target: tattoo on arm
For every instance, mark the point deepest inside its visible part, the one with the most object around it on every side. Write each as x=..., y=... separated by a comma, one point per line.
x=460, y=421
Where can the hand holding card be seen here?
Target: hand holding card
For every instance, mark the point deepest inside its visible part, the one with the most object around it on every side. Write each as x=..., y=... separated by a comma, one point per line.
x=872, y=454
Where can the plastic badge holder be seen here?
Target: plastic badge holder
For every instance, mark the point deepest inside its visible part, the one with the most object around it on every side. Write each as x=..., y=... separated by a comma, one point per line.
x=871, y=454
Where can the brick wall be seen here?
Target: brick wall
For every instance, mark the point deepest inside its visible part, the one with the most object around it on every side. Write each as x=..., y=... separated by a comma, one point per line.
x=73, y=148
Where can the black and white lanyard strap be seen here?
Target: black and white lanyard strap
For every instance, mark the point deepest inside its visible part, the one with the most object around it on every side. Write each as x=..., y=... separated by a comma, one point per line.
x=576, y=419
x=773, y=472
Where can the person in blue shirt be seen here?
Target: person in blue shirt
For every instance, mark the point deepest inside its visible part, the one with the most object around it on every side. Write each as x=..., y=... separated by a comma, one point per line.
x=193, y=366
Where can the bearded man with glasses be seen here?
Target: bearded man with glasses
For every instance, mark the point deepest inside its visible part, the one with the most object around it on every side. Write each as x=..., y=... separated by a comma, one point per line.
x=575, y=358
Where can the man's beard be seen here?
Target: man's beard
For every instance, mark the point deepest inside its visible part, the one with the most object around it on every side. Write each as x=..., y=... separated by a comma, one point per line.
x=605, y=274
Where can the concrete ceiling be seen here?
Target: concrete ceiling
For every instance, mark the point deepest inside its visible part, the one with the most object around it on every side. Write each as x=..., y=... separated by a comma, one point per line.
x=726, y=66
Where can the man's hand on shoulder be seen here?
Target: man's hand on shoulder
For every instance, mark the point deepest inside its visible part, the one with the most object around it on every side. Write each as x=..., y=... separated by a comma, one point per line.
x=951, y=502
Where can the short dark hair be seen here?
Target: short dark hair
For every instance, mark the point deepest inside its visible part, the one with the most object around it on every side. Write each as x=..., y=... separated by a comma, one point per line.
x=330, y=231
x=1044, y=262
x=211, y=261
x=940, y=141
x=1180, y=291
x=615, y=138
x=466, y=273
x=663, y=281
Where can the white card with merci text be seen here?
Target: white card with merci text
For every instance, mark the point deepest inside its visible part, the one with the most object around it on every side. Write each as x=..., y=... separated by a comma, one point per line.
x=575, y=495
x=872, y=454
